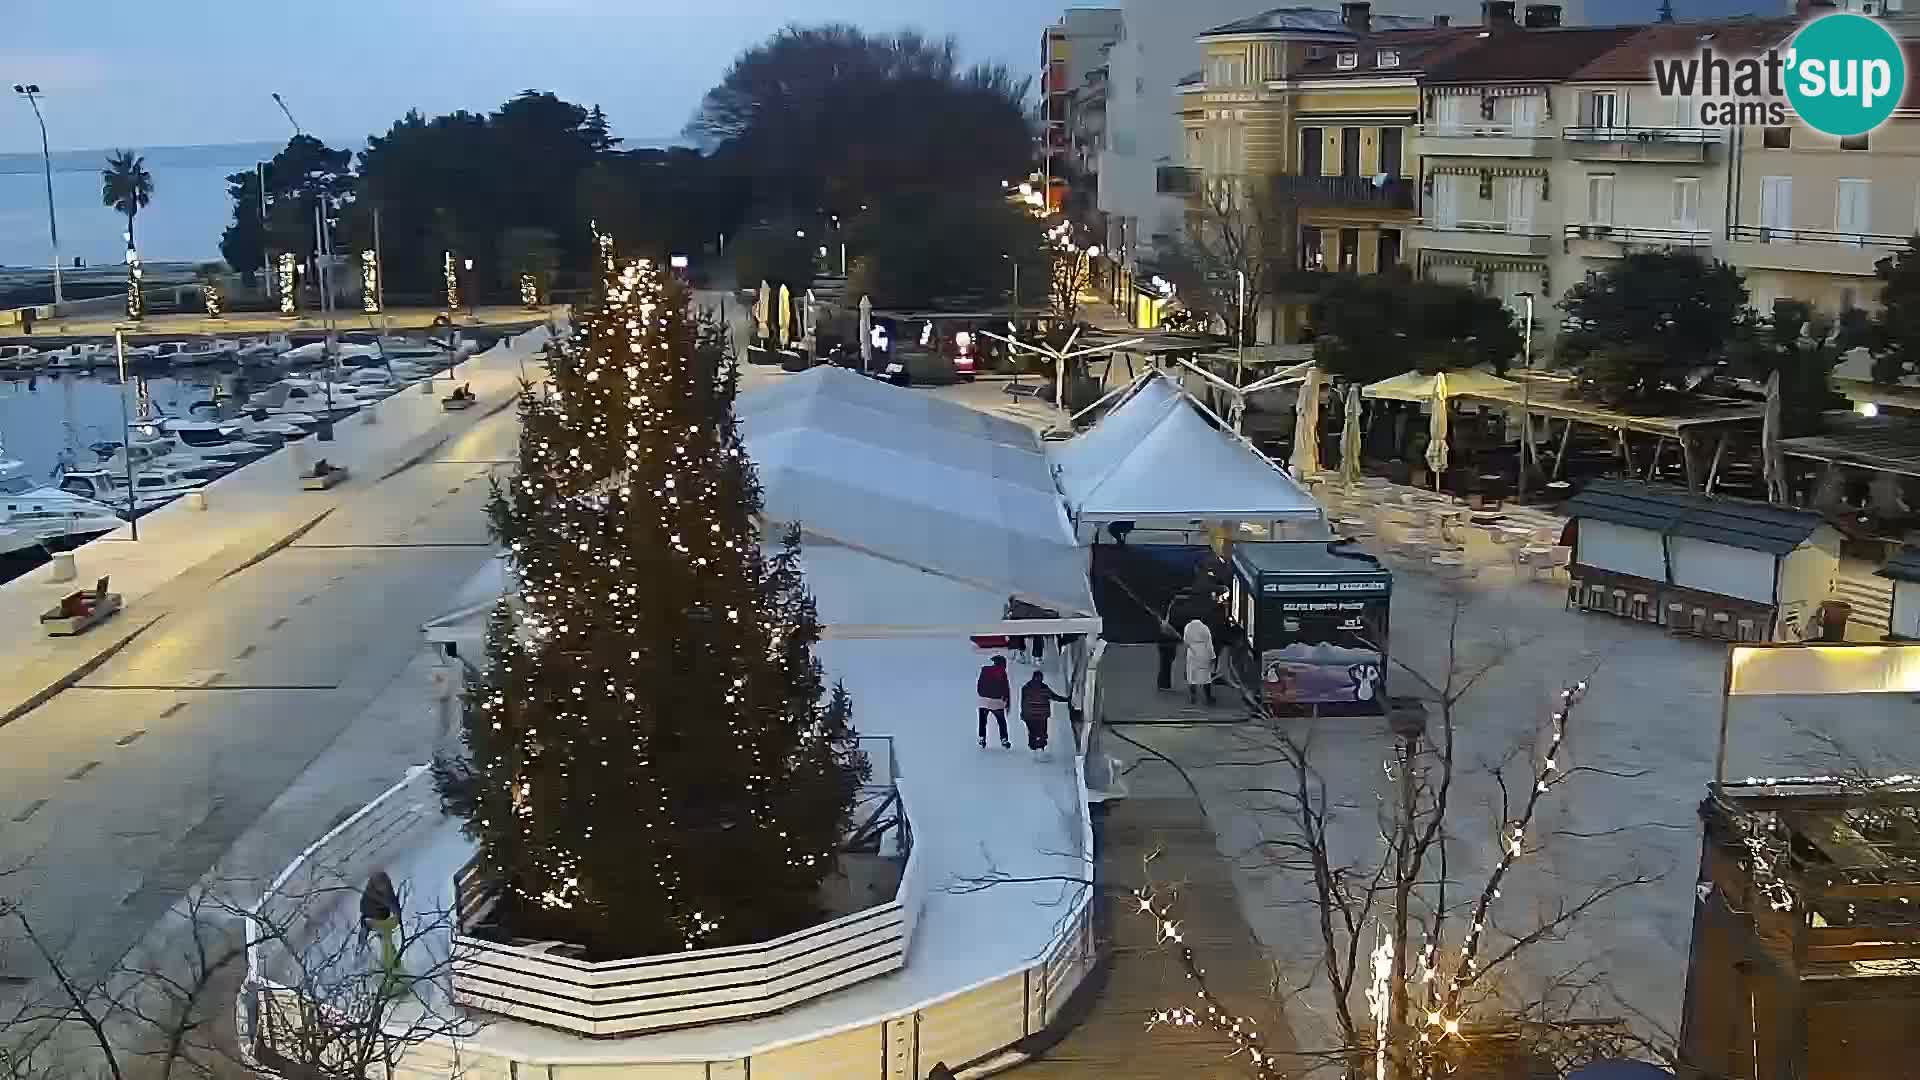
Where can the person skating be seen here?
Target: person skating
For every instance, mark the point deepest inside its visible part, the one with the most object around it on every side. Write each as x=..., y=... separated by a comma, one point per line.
x=1036, y=710
x=1169, y=645
x=994, y=693
x=1199, y=645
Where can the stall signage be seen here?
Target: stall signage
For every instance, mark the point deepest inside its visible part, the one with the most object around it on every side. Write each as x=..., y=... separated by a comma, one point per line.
x=1323, y=586
x=1324, y=605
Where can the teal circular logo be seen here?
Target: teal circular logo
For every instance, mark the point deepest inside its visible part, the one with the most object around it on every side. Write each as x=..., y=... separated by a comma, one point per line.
x=1845, y=74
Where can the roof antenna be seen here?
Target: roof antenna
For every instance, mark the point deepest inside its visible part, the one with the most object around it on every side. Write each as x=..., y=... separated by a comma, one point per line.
x=1666, y=11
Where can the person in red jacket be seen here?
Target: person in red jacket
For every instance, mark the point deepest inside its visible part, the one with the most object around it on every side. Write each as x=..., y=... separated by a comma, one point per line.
x=1036, y=710
x=994, y=693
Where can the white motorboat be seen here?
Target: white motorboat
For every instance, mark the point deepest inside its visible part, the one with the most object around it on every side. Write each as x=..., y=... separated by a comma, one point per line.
x=208, y=438
x=56, y=520
x=151, y=489
x=287, y=427
x=425, y=355
x=315, y=352
x=164, y=453
x=79, y=356
x=19, y=356
x=190, y=353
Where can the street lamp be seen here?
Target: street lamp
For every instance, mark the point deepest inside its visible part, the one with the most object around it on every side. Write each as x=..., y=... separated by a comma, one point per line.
x=126, y=428
x=469, y=266
x=29, y=91
x=278, y=100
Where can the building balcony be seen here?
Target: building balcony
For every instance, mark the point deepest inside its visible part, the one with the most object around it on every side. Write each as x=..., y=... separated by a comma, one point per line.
x=1484, y=140
x=1678, y=145
x=1597, y=241
x=1344, y=192
x=1810, y=251
x=1176, y=180
x=1483, y=237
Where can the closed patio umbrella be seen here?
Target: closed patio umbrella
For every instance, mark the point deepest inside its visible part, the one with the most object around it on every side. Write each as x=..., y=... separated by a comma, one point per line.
x=1306, y=427
x=1350, y=439
x=763, y=312
x=1437, y=431
x=1770, y=460
x=786, y=317
x=866, y=333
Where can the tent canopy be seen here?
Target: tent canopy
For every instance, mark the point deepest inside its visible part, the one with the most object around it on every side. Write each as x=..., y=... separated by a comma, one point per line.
x=1156, y=456
x=1415, y=386
x=913, y=478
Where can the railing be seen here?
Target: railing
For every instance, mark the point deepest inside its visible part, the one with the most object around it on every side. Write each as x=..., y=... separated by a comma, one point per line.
x=1635, y=234
x=1507, y=228
x=1767, y=234
x=1176, y=180
x=1345, y=191
x=1621, y=133
x=1481, y=131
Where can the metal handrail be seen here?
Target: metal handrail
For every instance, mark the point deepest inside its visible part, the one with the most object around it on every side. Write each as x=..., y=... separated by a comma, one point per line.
x=1628, y=234
x=1485, y=130
x=1464, y=225
x=1642, y=133
x=1767, y=234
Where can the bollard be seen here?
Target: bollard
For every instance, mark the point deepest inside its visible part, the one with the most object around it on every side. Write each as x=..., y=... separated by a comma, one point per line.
x=65, y=567
x=426, y=386
x=301, y=456
x=196, y=500
x=370, y=414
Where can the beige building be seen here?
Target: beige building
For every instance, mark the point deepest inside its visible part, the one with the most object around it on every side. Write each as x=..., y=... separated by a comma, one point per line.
x=1811, y=214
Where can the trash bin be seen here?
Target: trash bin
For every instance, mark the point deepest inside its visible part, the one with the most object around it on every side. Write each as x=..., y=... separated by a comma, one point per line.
x=1833, y=620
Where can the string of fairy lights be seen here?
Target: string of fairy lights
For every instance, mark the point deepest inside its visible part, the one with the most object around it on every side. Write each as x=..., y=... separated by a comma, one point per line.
x=1442, y=992
x=625, y=382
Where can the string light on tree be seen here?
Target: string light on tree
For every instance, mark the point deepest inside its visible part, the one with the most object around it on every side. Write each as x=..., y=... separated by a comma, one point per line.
x=215, y=300
x=655, y=763
x=136, y=303
x=370, y=282
x=530, y=290
x=451, y=271
x=289, y=289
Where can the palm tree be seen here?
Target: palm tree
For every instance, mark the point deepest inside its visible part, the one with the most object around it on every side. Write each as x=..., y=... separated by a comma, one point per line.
x=126, y=185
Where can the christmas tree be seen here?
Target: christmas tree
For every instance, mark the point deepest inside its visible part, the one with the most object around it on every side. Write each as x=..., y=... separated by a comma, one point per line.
x=654, y=763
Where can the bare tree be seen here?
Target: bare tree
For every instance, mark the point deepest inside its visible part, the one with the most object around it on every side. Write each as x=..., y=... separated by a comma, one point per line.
x=1241, y=229
x=1401, y=1008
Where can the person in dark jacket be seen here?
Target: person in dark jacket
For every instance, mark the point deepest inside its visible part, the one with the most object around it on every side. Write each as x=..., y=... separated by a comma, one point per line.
x=994, y=693
x=1036, y=709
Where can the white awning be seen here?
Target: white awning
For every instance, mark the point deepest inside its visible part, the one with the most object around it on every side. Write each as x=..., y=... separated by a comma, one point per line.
x=1156, y=457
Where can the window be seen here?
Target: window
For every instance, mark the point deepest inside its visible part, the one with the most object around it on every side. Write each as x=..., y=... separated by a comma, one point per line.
x=1347, y=60
x=1853, y=208
x=1600, y=199
x=1523, y=193
x=1853, y=142
x=1777, y=138
x=1446, y=200
x=1776, y=205
x=1686, y=203
x=1312, y=256
x=1389, y=251
x=1603, y=109
x=1450, y=113
x=1523, y=113
x=1313, y=147
x=1349, y=251
x=1387, y=58
x=1350, y=151
x=1392, y=158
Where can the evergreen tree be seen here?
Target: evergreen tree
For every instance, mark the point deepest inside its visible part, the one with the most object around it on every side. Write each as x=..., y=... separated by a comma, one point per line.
x=652, y=765
x=1894, y=334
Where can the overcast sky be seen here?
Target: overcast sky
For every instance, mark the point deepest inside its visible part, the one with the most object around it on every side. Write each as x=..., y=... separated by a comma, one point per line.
x=142, y=74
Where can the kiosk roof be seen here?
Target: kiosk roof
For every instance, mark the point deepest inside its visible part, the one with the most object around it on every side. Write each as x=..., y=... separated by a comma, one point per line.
x=1306, y=557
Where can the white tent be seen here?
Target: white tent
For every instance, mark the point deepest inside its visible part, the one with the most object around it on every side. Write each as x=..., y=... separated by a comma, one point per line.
x=1155, y=460
x=918, y=480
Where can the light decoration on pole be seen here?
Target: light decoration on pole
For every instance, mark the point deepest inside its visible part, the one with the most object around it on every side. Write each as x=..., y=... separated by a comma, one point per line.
x=370, y=282
x=136, y=304
x=451, y=270
x=289, y=288
x=216, y=302
x=530, y=291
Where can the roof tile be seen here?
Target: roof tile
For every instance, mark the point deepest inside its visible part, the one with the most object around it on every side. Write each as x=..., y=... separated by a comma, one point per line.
x=1632, y=59
x=1522, y=55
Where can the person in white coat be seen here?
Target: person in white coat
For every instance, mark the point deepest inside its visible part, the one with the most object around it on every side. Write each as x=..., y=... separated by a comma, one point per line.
x=1198, y=641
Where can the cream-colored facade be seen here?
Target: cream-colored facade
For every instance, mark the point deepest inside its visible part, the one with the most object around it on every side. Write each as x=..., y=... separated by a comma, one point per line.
x=1812, y=214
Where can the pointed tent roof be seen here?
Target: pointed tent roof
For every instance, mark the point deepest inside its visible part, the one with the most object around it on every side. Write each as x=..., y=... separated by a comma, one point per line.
x=1156, y=456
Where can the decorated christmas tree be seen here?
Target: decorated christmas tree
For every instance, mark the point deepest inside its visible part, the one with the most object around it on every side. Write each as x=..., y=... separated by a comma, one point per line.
x=654, y=763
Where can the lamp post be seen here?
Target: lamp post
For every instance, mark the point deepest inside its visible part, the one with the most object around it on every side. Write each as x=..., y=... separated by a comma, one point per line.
x=1240, y=332
x=1526, y=395
x=278, y=100
x=30, y=92
x=126, y=426
x=470, y=290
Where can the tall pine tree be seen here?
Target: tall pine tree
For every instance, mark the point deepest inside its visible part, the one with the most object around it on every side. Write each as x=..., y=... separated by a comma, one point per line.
x=654, y=762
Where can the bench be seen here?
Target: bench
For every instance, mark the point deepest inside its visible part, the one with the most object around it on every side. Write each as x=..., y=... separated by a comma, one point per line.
x=459, y=399
x=323, y=476
x=80, y=611
x=1024, y=390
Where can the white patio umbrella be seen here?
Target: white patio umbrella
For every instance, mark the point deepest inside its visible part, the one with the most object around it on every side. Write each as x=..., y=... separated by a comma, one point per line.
x=1306, y=427
x=1437, y=431
x=866, y=333
x=762, y=312
x=1350, y=439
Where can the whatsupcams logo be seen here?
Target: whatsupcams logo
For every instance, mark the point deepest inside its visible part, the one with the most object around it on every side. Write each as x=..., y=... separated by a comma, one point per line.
x=1842, y=74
